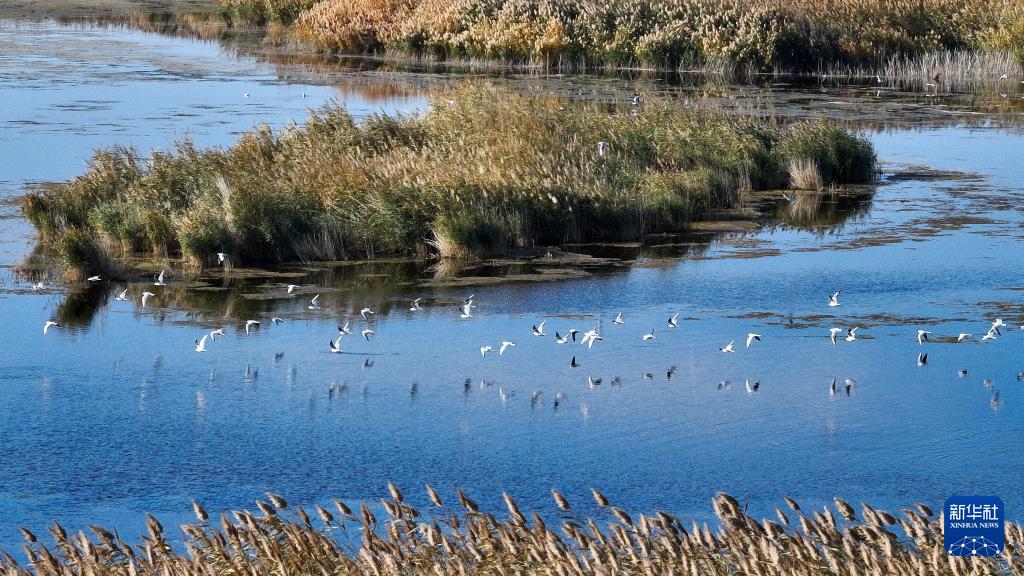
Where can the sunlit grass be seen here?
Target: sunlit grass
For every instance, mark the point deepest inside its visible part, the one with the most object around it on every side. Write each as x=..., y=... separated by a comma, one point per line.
x=481, y=171
x=459, y=537
x=802, y=35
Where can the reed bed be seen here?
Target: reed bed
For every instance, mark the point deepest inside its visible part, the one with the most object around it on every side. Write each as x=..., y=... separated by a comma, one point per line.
x=791, y=35
x=460, y=538
x=480, y=172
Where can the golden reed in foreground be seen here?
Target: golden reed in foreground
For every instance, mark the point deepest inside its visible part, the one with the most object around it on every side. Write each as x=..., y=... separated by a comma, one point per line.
x=464, y=540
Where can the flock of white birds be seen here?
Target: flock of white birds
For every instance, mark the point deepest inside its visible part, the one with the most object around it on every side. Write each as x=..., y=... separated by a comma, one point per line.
x=586, y=338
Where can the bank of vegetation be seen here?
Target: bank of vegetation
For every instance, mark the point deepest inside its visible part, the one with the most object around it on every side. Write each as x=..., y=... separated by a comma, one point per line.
x=458, y=537
x=750, y=35
x=480, y=172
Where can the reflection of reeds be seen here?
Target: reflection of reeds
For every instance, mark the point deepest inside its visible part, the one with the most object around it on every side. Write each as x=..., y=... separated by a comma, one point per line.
x=458, y=537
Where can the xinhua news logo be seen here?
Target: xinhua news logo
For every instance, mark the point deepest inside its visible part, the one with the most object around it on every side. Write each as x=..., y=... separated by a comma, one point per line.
x=974, y=526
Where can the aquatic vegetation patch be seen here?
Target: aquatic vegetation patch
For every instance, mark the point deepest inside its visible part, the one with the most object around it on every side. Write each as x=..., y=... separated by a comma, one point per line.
x=803, y=35
x=481, y=172
x=458, y=537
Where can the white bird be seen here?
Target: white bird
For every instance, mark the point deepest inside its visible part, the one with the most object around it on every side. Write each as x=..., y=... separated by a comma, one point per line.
x=313, y=303
x=293, y=288
x=505, y=346
x=922, y=336
x=46, y=327
x=93, y=279
x=963, y=336
x=990, y=335
x=415, y=305
x=160, y=280
x=343, y=330
x=215, y=333
x=123, y=296
x=467, y=310
x=484, y=350
x=201, y=344
x=851, y=334
x=648, y=336
x=832, y=332
x=672, y=320
x=602, y=148
x=365, y=311
x=277, y=320
x=618, y=319
x=833, y=298
x=753, y=387
x=728, y=347
x=751, y=337
x=221, y=257
x=145, y=297
x=589, y=337
x=335, y=345
x=367, y=333
x=249, y=324
x=38, y=286
x=559, y=339
x=538, y=329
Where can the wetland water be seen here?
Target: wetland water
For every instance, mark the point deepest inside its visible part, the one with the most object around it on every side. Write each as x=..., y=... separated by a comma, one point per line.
x=114, y=414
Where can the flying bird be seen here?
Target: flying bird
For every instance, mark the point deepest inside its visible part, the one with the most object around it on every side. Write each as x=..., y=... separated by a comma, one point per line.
x=922, y=336
x=505, y=346
x=123, y=296
x=201, y=344
x=559, y=339
x=145, y=297
x=467, y=310
x=618, y=319
x=277, y=320
x=833, y=298
x=365, y=311
x=343, y=330
x=415, y=305
x=313, y=303
x=367, y=333
x=335, y=345
x=293, y=288
x=751, y=337
x=538, y=329
x=851, y=334
x=215, y=333
x=93, y=279
x=753, y=387
x=963, y=336
x=832, y=332
x=485, y=349
x=46, y=327
x=648, y=336
x=250, y=324
x=672, y=320
x=728, y=347
x=160, y=280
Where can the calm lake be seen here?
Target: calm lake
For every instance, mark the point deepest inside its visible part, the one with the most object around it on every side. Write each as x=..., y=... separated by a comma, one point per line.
x=114, y=414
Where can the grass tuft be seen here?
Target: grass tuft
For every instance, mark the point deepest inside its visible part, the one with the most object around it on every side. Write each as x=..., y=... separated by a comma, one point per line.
x=481, y=171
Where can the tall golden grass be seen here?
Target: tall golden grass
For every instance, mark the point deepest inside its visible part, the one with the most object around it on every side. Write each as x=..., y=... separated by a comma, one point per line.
x=483, y=170
x=805, y=35
x=279, y=539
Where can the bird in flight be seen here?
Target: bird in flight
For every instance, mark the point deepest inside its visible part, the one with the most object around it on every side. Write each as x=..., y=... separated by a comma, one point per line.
x=505, y=346
x=752, y=337
x=672, y=321
x=49, y=323
x=922, y=336
x=538, y=329
x=728, y=347
x=313, y=303
x=833, y=298
x=160, y=280
x=250, y=324
x=201, y=343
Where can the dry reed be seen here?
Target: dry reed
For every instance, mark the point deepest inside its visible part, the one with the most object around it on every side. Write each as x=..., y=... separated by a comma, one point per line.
x=459, y=538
